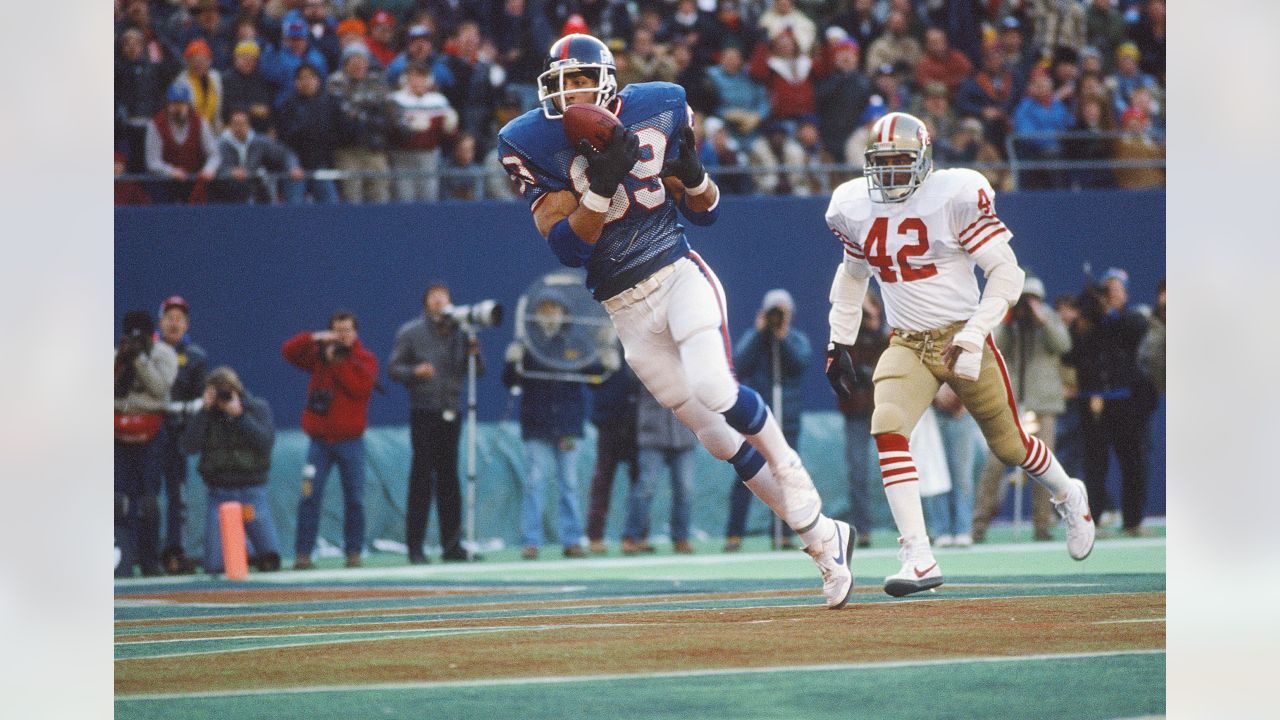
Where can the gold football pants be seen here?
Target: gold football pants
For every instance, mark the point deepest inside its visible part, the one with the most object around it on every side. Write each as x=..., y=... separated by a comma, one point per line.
x=910, y=372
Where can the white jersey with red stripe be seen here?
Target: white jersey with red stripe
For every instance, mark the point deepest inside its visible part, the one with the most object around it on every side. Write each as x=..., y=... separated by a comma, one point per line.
x=922, y=251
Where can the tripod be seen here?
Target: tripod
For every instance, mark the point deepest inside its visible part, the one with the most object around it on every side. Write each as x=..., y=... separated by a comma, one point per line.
x=470, y=547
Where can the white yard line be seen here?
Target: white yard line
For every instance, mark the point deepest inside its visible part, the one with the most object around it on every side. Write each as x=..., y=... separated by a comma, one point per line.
x=424, y=572
x=711, y=672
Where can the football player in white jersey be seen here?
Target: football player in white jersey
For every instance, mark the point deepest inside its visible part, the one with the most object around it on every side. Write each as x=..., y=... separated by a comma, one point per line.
x=920, y=232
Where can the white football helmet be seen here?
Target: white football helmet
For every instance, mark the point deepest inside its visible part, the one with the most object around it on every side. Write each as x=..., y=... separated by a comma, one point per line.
x=892, y=136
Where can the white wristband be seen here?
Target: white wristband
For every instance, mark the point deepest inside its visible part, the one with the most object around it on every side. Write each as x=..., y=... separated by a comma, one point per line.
x=594, y=202
x=702, y=187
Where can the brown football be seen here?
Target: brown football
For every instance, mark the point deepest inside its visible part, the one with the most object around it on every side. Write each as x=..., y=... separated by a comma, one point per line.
x=591, y=123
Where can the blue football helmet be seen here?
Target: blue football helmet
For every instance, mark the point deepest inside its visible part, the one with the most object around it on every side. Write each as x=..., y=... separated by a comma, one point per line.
x=571, y=54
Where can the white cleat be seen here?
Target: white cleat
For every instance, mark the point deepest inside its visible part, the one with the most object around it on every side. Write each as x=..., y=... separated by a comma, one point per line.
x=832, y=557
x=919, y=569
x=1074, y=511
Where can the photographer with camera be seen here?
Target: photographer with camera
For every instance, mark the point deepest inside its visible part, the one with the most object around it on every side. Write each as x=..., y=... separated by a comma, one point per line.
x=184, y=401
x=144, y=372
x=343, y=374
x=233, y=435
x=771, y=355
x=552, y=417
x=430, y=360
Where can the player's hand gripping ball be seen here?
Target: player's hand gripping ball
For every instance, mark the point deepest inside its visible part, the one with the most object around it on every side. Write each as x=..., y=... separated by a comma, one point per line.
x=592, y=123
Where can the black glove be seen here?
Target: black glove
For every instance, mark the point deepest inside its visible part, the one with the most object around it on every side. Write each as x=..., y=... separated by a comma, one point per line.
x=608, y=167
x=840, y=371
x=687, y=166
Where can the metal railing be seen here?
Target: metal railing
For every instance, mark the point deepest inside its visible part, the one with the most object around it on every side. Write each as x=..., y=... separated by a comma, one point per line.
x=819, y=178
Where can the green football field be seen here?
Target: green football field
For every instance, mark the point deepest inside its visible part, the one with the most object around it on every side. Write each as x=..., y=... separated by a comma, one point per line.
x=1018, y=630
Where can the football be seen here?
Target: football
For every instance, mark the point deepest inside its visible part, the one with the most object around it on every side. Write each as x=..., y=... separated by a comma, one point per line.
x=591, y=123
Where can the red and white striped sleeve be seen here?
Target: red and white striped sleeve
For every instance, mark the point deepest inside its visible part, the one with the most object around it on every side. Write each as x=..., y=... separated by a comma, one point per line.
x=974, y=216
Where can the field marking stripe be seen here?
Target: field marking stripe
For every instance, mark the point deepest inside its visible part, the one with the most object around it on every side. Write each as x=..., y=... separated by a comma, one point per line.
x=392, y=635
x=625, y=610
x=709, y=672
x=1132, y=620
x=422, y=572
x=603, y=609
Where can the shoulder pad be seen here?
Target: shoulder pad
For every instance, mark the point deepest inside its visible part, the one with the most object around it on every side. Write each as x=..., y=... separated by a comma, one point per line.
x=943, y=186
x=535, y=137
x=851, y=201
x=651, y=98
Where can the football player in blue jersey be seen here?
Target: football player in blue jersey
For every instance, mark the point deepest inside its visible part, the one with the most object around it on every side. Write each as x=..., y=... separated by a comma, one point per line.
x=614, y=210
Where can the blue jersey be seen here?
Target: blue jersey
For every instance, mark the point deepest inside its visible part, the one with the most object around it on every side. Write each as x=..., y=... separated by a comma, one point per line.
x=641, y=234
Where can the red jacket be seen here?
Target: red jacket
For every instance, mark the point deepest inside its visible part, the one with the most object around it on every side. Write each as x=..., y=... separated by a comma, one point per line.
x=350, y=382
x=787, y=99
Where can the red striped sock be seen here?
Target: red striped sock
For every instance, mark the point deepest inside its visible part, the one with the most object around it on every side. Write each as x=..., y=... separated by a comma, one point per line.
x=901, y=484
x=1045, y=468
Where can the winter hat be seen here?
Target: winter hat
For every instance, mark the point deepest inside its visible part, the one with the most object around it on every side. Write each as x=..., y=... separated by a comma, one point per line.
x=1033, y=286
x=353, y=25
x=247, y=47
x=197, y=47
x=355, y=48
x=777, y=298
x=178, y=93
x=1116, y=274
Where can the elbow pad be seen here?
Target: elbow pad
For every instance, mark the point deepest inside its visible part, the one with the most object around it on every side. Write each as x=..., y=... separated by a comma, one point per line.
x=847, y=292
x=572, y=250
x=1003, y=288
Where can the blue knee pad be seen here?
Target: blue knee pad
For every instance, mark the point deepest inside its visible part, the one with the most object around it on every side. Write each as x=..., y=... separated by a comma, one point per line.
x=747, y=462
x=749, y=413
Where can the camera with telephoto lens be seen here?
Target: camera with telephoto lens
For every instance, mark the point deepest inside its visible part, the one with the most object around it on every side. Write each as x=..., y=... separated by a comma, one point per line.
x=223, y=395
x=774, y=318
x=486, y=313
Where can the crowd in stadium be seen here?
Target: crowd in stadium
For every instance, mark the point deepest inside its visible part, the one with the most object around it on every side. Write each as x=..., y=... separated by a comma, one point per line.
x=401, y=100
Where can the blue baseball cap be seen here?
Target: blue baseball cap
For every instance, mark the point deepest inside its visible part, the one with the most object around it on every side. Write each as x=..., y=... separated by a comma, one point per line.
x=178, y=93
x=1116, y=274
x=293, y=28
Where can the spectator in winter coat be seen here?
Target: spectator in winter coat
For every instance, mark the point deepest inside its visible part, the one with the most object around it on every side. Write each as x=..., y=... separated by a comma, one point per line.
x=139, y=94
x=419, y=48
x=662, y=441
x=381, y=40
x=246, y=156
x=784, y=17
x=322, y=28
x=551, y=424
x=205, y=83
x=990, y=95
x=363, y=95
x=421, y=120
x=281, y=65
x=180, y=148
x=311, y=124
x=786, y=73
x=841, y=98
x=343, y=373
x=773, y=354
x=941, y=62
x=1041, y=117
x=896, y=46
x=244, y=86
x=743, y=103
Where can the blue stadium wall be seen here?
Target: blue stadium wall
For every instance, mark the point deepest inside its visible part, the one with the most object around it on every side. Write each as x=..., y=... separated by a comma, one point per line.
x=256, y=275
